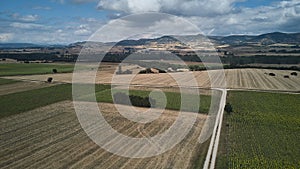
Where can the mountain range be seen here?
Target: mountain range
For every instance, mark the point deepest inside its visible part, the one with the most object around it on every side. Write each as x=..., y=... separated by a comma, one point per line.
x=264, y=39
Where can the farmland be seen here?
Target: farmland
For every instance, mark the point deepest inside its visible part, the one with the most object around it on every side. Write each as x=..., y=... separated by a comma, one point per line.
x=255, y=79
x=173, y=99
x=34, y=98
x=51, y=137
x=9, y=69
x=262, y=132
x=43, y=129
x=7, y=81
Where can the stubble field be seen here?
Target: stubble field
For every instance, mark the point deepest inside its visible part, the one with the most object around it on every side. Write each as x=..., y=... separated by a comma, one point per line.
x=51, y=137
x=235, y=79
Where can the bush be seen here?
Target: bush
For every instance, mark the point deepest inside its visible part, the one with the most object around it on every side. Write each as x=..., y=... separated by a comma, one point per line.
x=49, y=80
x=272, y=74
x=294, y=73
x=54, y=70
x=122, y=98
x=228, y=108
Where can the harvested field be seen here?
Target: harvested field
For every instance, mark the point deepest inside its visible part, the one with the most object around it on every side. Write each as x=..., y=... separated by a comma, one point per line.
x=51, y=137
x=235, y=78
x=22, y=86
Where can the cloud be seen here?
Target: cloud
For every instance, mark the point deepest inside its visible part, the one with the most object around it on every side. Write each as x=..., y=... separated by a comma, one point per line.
x=282, y=16
x=74, y=1
x=28, y=26
x=42, y=8
x=58, y=1
x=215, y=16
x=177, y=7
x=83, y=30
x=82, y=1
x=148, y=25
x=25, y=18
x=5, y=37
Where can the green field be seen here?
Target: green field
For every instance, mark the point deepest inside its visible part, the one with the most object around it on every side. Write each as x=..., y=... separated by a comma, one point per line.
x=173, y=100
x=7, y=81
x=262, y=132
x=11, y=69
x=23, y=101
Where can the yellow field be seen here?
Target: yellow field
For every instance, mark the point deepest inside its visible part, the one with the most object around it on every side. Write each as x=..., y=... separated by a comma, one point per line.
x=51, y=137
x=235, y=78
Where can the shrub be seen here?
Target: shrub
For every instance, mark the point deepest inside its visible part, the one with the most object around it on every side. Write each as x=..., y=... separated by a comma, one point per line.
x=272, y=74
x=294, y=73
x=54, y=70
x=50, y=79
x=228, y=108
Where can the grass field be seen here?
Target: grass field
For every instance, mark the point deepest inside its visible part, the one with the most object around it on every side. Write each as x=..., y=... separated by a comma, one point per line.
x=7, y=81
x=19, y=102
x=173, y=99
x=11, y=69
x=262, y=132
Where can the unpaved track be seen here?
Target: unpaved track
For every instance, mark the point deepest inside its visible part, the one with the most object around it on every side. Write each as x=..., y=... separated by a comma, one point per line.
x=51, y=137
x=214, y=142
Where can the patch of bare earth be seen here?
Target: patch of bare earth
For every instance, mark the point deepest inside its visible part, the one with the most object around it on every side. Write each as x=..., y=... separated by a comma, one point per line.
x=51, y=137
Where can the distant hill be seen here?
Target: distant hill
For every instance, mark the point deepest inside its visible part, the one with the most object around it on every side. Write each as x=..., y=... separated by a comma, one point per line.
x=277, y=37
x=264, y=39
x=18, y=45
x=26, y=45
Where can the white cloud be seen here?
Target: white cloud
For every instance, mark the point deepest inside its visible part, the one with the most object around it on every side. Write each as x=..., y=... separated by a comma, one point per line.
x=282, y=16
x=82, y=1
x=220, y=16
x=28, y=26
x=42, y=8
x=149, y=25
x=5, y=37
x=178, y=7
x=83, y=30
x=74, y=1
x=25, y=18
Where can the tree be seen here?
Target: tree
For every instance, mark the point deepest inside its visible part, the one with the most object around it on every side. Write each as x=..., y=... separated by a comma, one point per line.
x=54, y=70
x=228, y=108
x=50, y=79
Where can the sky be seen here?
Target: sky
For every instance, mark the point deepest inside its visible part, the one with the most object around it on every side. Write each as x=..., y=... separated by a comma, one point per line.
x=69, y=21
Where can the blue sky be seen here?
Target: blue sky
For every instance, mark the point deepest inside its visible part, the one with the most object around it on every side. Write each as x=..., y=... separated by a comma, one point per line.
x=67, y=21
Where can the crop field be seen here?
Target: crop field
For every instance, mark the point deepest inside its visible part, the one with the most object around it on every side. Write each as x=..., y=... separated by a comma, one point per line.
x=7, y=81
x=39, y=127
x=51, y=137
x=19, y=86
x=18, y=102
x=173, y=99
x=235, y=79
x=9, y=69
x=33, y=98
x=262, y=132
